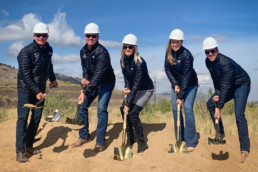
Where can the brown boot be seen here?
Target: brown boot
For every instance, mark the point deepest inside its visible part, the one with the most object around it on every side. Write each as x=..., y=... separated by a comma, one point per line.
x=99, y=148
x=244, y=155
x=80, y=142
x=21, y=157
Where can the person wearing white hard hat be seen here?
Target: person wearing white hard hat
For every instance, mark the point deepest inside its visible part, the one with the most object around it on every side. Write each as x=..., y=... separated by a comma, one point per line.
x=183, y=78
x=98, y=80
x=230, y=81
x=35, y=68
x=138, y=90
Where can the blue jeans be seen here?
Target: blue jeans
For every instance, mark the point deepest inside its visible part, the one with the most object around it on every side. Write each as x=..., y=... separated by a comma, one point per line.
x=25, y=134
x=187, y=132
x=240, y=96
x=104, y=93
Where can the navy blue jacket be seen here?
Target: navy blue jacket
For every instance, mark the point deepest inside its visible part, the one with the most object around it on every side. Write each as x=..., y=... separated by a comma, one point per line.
x=227, y=75
x=136, y=78
x=183, y=73
x=35, y=68
x=96, y=67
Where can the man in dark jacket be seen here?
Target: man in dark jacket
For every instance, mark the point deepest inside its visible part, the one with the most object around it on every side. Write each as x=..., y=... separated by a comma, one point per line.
x=35, y=68
x=230, y=82
x=98, y=80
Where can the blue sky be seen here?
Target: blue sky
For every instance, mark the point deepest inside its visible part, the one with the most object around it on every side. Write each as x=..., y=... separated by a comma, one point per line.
x=234, y=23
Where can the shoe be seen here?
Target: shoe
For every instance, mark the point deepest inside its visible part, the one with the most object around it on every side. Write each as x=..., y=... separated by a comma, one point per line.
x=221, y=136
x=99, y=148
x=142, y=146
x=21, y=157
x=80, y=142
x=244, y=155
x=30, y=151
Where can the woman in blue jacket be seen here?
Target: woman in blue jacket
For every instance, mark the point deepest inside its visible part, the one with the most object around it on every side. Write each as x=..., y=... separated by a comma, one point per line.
x=138, y=88
x=182, y=76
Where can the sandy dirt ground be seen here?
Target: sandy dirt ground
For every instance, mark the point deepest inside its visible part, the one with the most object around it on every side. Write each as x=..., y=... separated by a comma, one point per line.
x=58, y=156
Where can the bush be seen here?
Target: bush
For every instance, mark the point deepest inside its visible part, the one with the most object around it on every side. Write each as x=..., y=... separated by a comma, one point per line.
x=61, y=102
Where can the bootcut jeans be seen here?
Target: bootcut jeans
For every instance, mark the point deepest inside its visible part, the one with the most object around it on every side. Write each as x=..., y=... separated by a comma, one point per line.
x=187, y=132
x=104, y=92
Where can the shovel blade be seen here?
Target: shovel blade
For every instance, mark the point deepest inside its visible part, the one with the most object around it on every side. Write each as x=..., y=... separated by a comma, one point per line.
x=216, y=141
x=122, y=153
x=178, y=147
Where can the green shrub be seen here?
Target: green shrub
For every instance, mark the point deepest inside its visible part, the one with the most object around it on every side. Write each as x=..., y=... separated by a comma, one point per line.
x=62, y=102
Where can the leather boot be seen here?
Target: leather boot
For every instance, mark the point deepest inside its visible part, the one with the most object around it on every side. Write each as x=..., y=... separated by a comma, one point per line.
x=21, y=157
x=80, y=142
x=30, y=151
x=142, y=145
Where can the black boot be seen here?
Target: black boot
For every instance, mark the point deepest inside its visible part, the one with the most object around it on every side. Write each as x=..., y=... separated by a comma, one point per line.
x=142, y=145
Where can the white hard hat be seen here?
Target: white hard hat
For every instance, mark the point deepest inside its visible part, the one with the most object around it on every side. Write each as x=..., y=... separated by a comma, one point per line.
x=40, y=28
x=176, y=34
x=130, y=39
x=91, y=28
x=209, y=43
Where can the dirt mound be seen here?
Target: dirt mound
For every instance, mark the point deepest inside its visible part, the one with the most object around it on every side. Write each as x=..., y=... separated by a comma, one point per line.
x=58, y=156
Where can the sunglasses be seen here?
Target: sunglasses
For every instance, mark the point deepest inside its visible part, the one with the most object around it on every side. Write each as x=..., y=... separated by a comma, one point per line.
x=39, y=35
x=211, y=51
x=93, y=36
x=130, y=47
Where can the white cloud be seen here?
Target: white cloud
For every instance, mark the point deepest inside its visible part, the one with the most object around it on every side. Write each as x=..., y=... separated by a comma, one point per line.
x=19, y=30
x=6, y=14
x=61, y=33
x=14, y=49
x=110, y=43
x=72, y=58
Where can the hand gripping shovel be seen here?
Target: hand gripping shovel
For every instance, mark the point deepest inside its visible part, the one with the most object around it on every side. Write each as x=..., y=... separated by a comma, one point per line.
x=179, y=146
x=216, y=140
x=123, y=152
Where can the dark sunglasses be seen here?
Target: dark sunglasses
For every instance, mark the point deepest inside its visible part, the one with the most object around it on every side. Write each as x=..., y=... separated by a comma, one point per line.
x=130, y=47
x=211, y=51
x=39, y=35
x=93, y=36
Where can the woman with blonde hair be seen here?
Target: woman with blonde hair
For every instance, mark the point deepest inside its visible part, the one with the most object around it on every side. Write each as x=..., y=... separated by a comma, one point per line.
x=138, y=90
x=182, y=76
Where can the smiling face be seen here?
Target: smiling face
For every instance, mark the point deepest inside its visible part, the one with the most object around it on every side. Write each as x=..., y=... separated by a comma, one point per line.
x=91, y=39
x=128, y=49
x=40, y=38
x=176, y=44
x=212, y=54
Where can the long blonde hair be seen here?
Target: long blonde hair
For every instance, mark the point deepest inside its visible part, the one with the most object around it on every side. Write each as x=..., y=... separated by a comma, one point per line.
x=136, y=58
x=171, y=59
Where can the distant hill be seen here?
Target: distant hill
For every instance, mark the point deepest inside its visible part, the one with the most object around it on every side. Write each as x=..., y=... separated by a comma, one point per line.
x=9, y=73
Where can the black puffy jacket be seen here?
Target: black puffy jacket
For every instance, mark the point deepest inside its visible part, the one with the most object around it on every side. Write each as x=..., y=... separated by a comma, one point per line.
x=227, y=75
x=183, y=73
x=136, y=78
x=96, y=67
x=35, y=68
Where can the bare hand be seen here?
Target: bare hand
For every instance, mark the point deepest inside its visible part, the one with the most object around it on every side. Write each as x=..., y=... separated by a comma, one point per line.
x=85, y=82
x=40, y=96
x=177, y=89
x=217, y=113
x=81, y=97
x=179, y=101
x=53, y=84
x=215, y=99
x=126, y=91
x=126, y=109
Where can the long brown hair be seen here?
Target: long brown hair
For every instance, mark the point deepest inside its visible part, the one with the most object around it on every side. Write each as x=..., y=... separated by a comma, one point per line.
x=171, y=59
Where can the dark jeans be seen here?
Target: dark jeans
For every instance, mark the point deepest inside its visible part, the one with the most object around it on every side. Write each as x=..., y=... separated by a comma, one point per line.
x=240, y=96
x=187, y=132
x=104, y=93
x=25, y=134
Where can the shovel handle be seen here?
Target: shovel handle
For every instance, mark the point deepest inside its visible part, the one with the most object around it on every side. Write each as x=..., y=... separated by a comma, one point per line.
x=216, y=121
